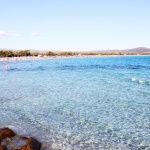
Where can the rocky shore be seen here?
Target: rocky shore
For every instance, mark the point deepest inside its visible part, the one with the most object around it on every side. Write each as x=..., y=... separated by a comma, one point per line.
x=11, y=141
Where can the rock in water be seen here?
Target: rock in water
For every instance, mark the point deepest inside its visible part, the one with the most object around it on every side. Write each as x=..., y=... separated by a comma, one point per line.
x=32, y=144
x=6, y=133
x=3, y=147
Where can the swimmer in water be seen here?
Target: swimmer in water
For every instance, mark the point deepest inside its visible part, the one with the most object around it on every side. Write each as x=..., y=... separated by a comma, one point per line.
x=5, y=66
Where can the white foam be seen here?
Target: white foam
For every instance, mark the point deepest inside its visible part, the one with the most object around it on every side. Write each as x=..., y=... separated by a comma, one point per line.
x=133, y=79
x=141, y=81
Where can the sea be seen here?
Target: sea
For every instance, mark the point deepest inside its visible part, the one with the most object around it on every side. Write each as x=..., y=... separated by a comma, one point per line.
x=100, y=103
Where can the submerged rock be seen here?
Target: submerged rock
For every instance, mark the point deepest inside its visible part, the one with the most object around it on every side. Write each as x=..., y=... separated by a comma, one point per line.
x=10, y=141
x=6, y=133
x=32, y=144
x=3, y=147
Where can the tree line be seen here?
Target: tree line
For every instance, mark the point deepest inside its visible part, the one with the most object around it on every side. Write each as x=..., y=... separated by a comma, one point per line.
x=9, y=53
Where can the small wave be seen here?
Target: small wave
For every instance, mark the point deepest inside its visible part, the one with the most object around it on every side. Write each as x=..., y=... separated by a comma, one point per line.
x=144, y=82
x=140, y=81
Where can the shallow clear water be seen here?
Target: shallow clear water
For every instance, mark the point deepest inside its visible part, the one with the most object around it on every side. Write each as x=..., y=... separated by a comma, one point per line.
x=79, y=103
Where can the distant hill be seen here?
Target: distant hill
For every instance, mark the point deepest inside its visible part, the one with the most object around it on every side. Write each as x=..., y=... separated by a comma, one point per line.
x=40, y=51
x=138, y=50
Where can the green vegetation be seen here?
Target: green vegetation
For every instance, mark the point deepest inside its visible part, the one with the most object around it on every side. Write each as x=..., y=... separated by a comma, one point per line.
x=67, y=54
x=35, y=54
x=9, y=53
x=6, y=53
x=50, y=53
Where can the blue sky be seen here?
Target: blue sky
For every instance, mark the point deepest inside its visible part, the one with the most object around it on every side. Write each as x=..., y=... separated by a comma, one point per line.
x=74, y=25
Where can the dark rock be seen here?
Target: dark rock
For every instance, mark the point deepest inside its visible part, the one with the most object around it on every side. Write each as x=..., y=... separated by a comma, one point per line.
x=24, y=138
x=3, y=147
x=32, y=144
x=5, y=133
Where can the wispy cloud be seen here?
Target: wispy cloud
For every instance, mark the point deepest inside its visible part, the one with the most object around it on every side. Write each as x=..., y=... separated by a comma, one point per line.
x=12, y=33
x=3, y=33
x=15, y=33
x=35, y=34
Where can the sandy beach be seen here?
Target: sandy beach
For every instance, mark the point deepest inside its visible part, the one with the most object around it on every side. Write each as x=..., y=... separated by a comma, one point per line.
x=5, y=59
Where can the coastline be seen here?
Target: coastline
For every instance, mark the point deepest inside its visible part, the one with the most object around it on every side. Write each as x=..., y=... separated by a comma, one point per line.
x=24, y=58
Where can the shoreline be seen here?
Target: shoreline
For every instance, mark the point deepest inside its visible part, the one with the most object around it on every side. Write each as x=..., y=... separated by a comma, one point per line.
x=24, y=58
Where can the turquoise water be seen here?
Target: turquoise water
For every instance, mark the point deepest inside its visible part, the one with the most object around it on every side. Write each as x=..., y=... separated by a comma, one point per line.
x=79, y=103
